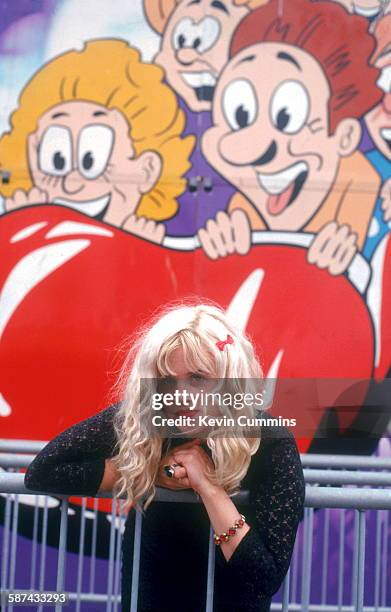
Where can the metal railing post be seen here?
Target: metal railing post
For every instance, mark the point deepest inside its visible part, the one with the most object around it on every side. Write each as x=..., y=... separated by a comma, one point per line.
x=211, y=572
x=136, y=561
x=360, y=561
x=62, y=546
x=285, y=591
x=307, y=559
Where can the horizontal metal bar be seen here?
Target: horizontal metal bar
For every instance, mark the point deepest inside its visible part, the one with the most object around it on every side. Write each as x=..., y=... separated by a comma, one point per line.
x=317, y=460
x=309, y=460
x=345, y=461
x=293, y=607
x=296, y=607
x=15, y=458
x=87, y=597
x=347, y=477
x=343, y=497
x=12, y=460
x=9, y=460
x=8, y=445
x=316, y=497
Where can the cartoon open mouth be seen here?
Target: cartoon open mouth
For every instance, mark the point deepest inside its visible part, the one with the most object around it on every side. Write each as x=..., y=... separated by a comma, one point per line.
x=365, y=11
x=93, y=208
x=386, y=135
x=203, y=83
x=283, y=187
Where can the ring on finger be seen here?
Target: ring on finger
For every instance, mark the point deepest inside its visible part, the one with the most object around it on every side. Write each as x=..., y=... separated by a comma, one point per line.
x=170, y=469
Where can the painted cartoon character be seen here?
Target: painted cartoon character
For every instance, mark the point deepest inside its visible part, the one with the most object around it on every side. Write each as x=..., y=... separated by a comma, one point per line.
x=286, y=131
x=97, y=130
x=370, y=9
x=378, y=122
x=194, y=48
x=195, y=42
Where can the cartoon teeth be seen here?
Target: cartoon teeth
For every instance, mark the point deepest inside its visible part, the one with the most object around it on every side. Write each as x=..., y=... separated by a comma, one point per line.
x=277, y=182
x=199, y=79
x=89, y=207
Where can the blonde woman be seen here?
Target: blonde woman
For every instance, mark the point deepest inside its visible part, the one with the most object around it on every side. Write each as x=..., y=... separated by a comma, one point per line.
x=98, y=130
x=187, y=345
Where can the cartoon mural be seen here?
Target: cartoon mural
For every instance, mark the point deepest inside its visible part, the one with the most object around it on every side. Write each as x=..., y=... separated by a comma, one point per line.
x=286, y=128
x=73, y=146
x=194, y=49
x=246, y=160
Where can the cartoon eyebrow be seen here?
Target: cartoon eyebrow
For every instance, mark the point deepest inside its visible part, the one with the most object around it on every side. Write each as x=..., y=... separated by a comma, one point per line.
x=248, y=58
x=99, y=113
x=56, y=115
x=219, y=5
x=288, y=58
x=312, y=125
x=194, y=2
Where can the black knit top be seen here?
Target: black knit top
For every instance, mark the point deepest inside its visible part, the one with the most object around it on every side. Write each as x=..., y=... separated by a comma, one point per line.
x=175, y=536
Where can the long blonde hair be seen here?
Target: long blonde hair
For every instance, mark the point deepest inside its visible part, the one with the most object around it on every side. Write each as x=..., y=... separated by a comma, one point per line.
x=194, y=325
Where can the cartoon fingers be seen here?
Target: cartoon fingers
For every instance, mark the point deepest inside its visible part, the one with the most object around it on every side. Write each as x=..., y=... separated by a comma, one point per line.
x=145, y=228
x=385, y=195
x=226, y=234
x=22, y=198
x=333, y=248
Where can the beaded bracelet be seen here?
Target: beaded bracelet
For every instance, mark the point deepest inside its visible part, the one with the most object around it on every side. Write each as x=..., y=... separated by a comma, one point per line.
x=224, y=537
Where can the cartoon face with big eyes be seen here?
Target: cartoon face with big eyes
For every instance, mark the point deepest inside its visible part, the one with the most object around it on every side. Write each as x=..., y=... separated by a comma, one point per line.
x=378, y=120
x=82, y=156
x=271, y=135
x=195, y=47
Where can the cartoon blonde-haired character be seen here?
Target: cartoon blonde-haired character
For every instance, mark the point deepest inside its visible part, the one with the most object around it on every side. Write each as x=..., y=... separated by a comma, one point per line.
x=99, y=131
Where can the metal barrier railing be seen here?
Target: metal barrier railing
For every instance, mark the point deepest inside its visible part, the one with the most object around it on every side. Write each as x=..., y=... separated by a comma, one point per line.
x=319, y=469
x=309, y=460
x=360, y=500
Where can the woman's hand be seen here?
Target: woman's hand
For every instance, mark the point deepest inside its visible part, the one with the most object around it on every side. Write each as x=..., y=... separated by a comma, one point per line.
x=179, y=480
x=196, y=463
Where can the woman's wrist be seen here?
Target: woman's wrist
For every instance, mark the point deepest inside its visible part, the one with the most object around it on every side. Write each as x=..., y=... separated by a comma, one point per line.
x=209, y=490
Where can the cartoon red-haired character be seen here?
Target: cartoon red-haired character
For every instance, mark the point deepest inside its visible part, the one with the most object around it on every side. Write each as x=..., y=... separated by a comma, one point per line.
x=286, y=128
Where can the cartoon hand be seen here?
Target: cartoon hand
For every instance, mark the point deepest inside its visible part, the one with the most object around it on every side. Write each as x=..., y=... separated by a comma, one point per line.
x=22, y=198
x=333, y=248
x=145, y=228
x=226, y=234
x=385, y=195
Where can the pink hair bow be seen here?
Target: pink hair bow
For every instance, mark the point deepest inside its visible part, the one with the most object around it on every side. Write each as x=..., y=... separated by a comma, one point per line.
x=221, y=343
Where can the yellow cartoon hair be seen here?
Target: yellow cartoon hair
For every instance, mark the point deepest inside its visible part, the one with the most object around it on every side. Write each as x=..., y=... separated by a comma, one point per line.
x=107, y=72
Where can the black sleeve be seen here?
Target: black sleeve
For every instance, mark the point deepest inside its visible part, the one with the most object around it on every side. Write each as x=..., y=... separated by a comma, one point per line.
x=73, y=463
x=261, y=560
